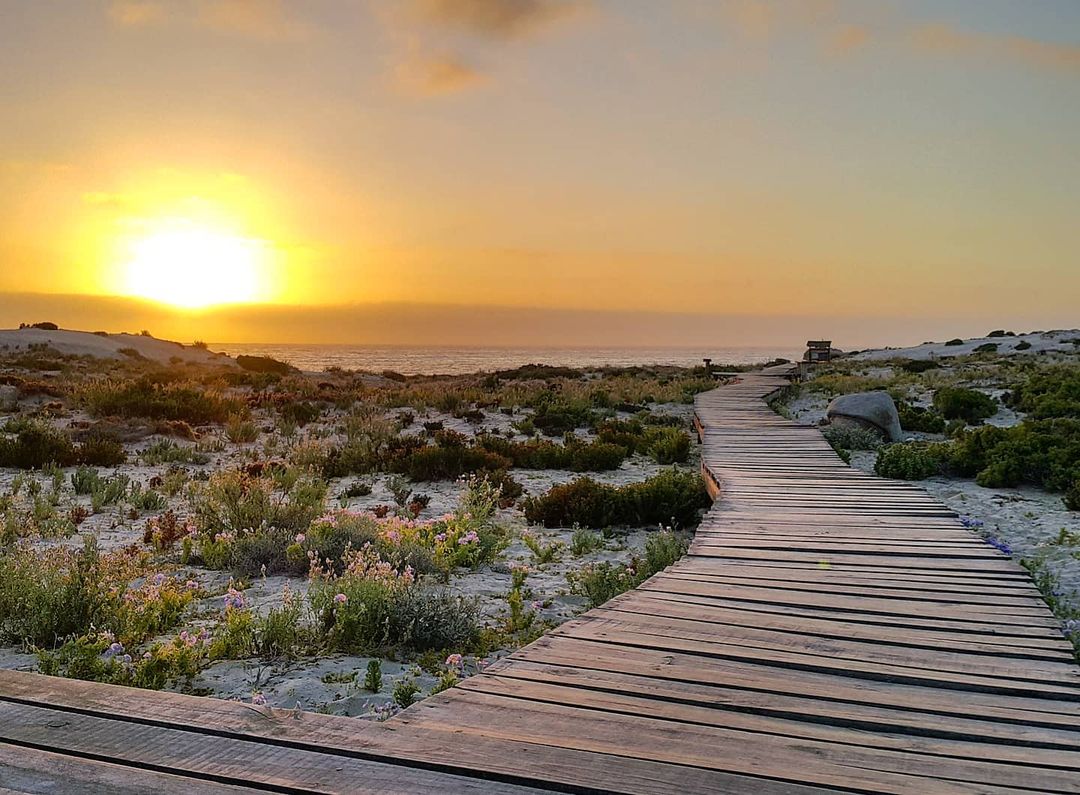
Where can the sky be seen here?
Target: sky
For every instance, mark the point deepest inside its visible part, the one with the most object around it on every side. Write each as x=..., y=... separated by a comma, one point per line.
x=540, y=171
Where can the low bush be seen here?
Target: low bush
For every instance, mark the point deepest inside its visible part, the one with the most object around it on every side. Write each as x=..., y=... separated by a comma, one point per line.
x=916, y=366
x=912, y=460
x=955, y=341
x=1044, y=453
x=48, y=596
x=264, y=364
x=1053, y=392
x=234, y=502
x=852, y=437
x=970, y=405
x=671, y=497
x=166, y=451
x=371, y=606
x=603, y=581
x=917, y=418
x=147, y=397
x=986, y=347
x=669, y=446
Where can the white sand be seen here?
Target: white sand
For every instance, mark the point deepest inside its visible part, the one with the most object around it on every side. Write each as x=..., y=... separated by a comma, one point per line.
x=1041, y=342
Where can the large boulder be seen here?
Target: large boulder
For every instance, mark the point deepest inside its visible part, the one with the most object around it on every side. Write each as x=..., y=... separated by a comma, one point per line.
x=870, y=409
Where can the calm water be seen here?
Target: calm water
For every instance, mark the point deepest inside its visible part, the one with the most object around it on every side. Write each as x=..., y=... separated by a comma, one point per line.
x=429, y=360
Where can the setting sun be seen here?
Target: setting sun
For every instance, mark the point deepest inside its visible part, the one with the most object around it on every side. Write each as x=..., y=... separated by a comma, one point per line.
x=193, y=267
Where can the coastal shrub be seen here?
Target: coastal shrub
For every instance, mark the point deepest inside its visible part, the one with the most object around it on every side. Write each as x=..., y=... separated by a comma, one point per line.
x=101, y=451
x=955, y=341
x=573, y=455
x=1052, y=392
x=917, y=418
x=1044, y=453
x=600, y=582
x=371, y=606
x=36, y=445
x=912, y=460
x=99, y=657
x=50, y=595
x=559, y=417
x=448, y=462
x=669, y=446
x=148, y=397
x=264, y=364
x=916, y=366
x=671, y=497
x=584, y=541
x=1072, y=496
x=239, y=430
x=1022, y=345
x=234, y=502
x=986, y=347
x=166, y=451
x=852, y=437
x=300, y=413
x=958, y=403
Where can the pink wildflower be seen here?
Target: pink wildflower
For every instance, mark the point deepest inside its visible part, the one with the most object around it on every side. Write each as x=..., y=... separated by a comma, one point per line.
x=341, y=598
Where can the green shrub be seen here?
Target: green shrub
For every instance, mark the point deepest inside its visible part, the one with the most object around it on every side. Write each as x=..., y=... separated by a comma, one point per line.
x=600, y=582
x=440, y=462
x=232, y=501
x=264, y=364
x=101, y=451
x=370, y=607
x=917, y=418
x=585, y=541
x=239, y=430
x=955, y=341
x=669, y=445
x=166, y=451
x=302, y=413
x=1072, y=496
x=852, y=437
x=916, y=366
x=36, y=445
x=557, y=418
x=964, y=404
x=1053, y=392
x=1022, y=345
x=48, y=596
x=146, y=397
x=1044, y=453
x=671, y=497
x=911, y=460
x=986, y=347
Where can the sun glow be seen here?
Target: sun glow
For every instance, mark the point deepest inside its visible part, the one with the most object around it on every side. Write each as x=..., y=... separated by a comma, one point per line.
x=193, y=267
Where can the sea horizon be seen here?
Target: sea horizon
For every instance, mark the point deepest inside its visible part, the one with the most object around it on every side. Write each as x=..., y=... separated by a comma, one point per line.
x=461, y=359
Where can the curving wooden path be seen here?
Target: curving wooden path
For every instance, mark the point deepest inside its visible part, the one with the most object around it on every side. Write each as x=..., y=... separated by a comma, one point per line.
x=829, y=631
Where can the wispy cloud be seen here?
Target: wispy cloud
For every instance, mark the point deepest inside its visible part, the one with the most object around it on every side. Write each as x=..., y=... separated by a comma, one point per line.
x=502, y=19
x=947, y=40
x=270, y=20
x=846, y=40
x=441, y=74
x=261, y=19
x=137, y=13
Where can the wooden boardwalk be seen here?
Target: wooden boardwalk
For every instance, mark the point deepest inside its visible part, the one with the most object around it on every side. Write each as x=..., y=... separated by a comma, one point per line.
x=829, y=631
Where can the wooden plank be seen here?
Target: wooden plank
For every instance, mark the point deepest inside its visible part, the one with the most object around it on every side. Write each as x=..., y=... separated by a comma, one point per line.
x=33, y=772
x=223, y=760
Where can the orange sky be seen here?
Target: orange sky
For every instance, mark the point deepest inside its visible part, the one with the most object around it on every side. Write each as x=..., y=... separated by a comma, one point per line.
x=864, y=162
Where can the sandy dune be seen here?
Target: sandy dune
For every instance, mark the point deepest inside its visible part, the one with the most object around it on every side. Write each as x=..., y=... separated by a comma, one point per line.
x=107, y=346
x=1040, y=341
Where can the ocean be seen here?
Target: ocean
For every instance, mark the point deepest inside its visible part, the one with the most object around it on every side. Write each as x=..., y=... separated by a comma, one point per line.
x=414, y=360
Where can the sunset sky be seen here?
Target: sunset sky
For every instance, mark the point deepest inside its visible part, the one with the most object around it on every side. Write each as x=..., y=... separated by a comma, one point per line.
x=428, y=170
